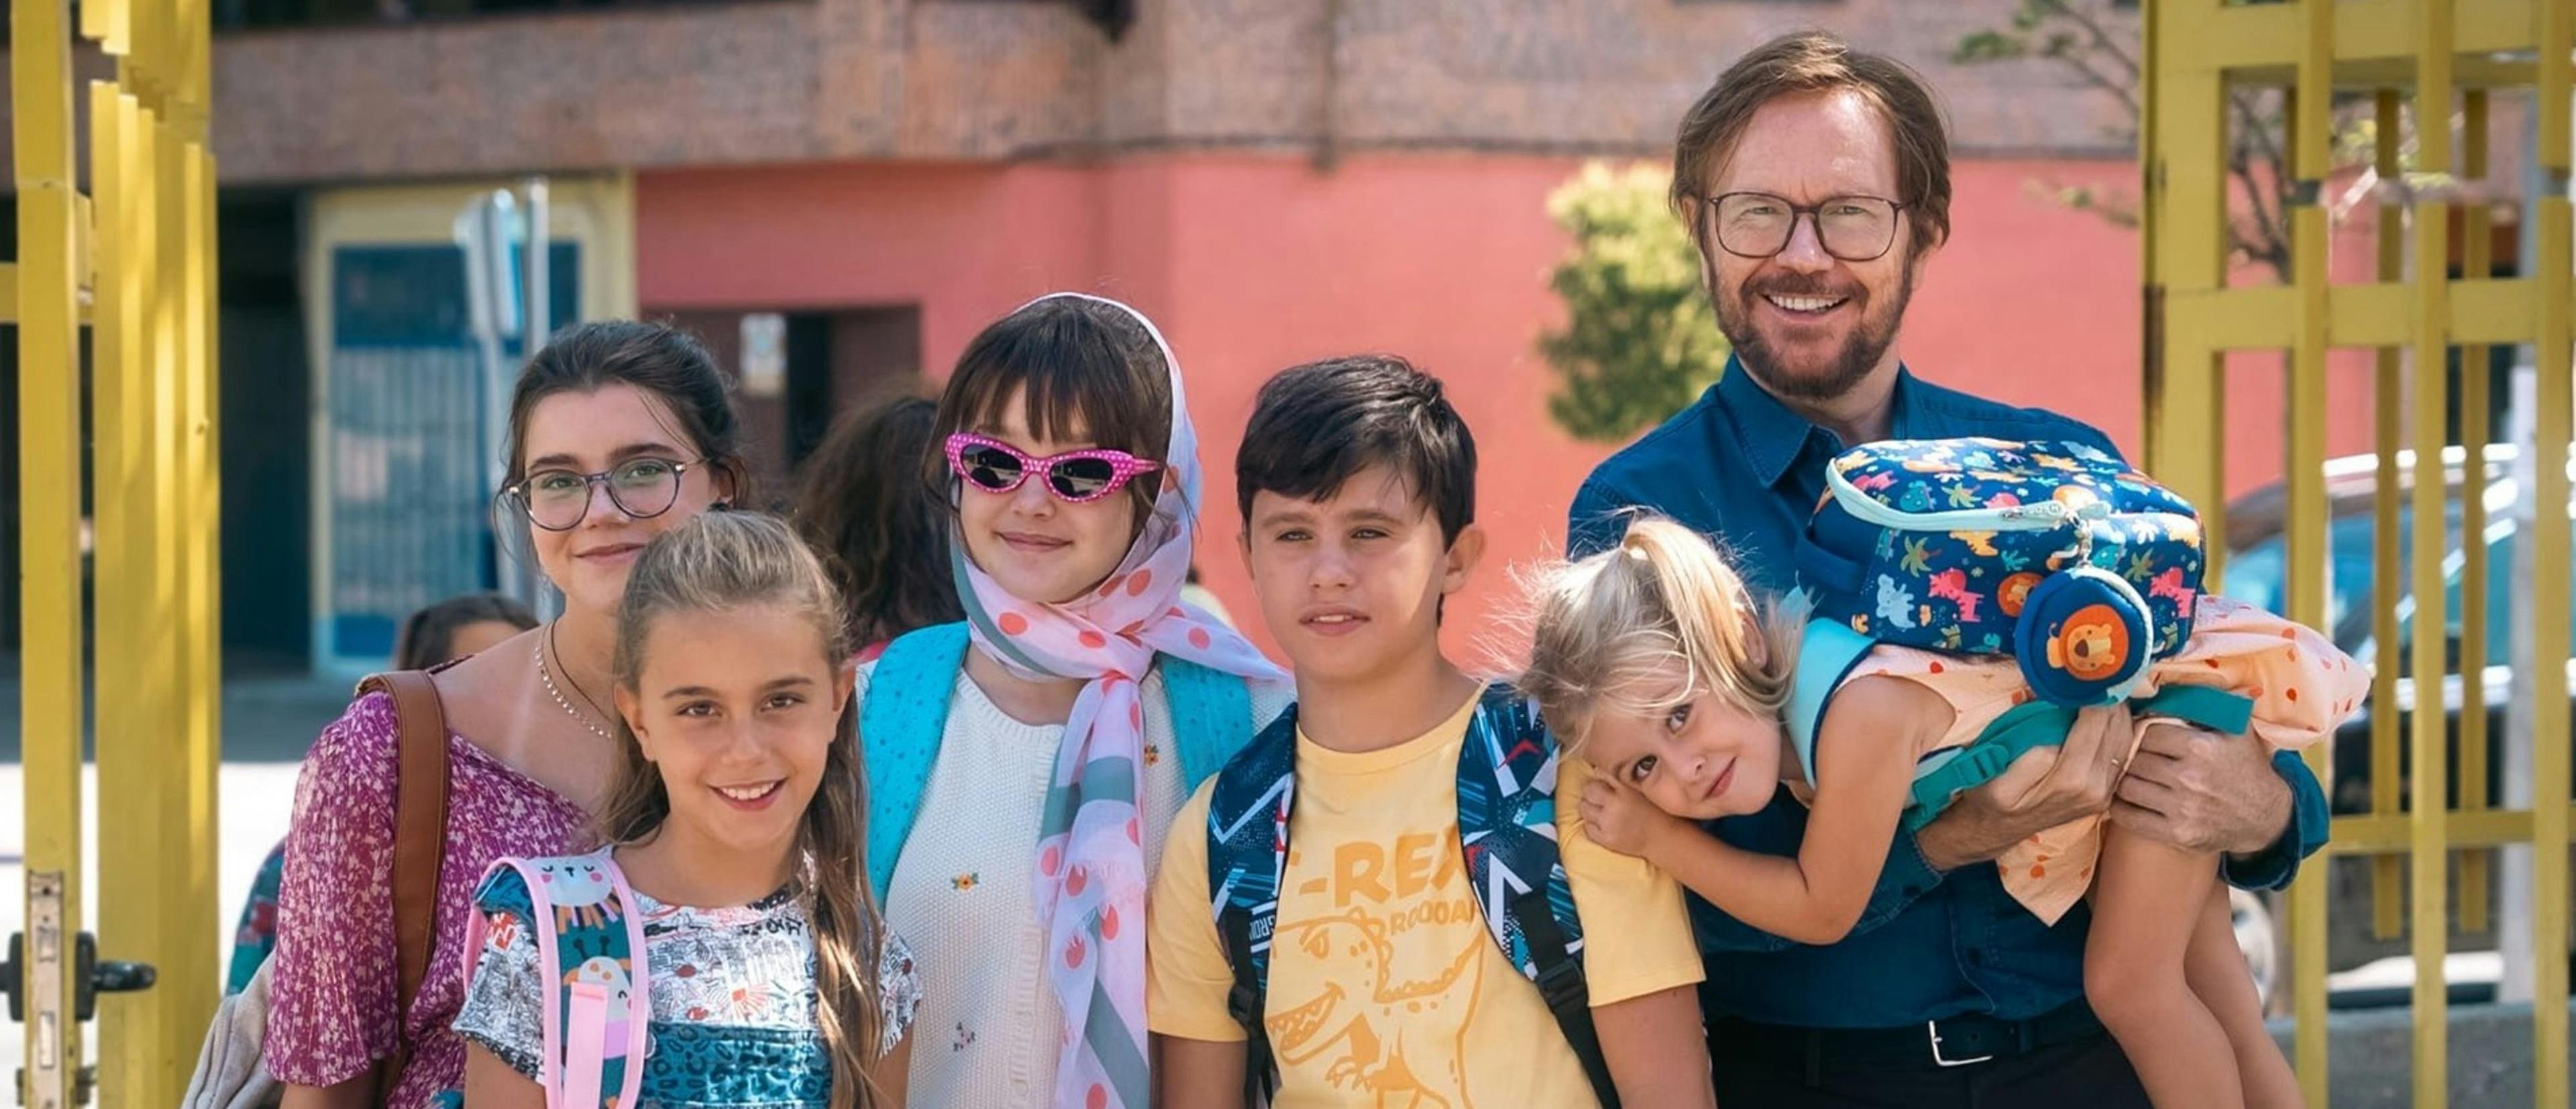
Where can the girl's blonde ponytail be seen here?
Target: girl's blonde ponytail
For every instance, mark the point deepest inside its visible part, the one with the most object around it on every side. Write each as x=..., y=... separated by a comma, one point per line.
x=1616, y=629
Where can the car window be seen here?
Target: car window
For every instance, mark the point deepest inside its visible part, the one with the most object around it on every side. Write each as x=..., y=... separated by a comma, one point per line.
x=2255, y=576
x=2501, y=598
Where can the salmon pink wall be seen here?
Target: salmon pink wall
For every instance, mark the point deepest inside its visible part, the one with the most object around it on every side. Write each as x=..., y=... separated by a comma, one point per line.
x=1252, y=263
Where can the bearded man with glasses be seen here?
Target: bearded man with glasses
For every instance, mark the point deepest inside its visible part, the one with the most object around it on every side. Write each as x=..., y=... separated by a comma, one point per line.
x=1815, y=180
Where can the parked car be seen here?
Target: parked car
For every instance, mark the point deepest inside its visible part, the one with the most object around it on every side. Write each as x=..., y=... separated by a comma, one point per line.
x=2254, y=573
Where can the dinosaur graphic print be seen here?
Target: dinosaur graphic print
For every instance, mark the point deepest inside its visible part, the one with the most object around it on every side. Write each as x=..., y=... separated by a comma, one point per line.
x=1374, y=993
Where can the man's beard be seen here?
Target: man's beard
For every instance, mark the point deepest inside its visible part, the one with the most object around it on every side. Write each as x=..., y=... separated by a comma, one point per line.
x=1860, y=353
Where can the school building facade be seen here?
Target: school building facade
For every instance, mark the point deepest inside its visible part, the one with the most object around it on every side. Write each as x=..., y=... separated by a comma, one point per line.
x=1271, y=180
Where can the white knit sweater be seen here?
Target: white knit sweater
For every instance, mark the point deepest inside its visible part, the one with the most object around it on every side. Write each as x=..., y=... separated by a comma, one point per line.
x=987, y=1031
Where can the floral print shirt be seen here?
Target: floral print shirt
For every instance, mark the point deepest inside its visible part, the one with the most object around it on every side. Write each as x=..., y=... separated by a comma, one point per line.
x=332, y=1006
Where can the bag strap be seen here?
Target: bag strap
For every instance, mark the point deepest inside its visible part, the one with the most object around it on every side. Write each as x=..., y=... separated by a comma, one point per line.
x=1507, y=780
x=2034, y=724
x=420, y=840
x=1211, y=717
x=900, y=723
x=592, y=1041
x=2215, y=709
x=1827, y=652
x=1947, y=774
x=1249, y=810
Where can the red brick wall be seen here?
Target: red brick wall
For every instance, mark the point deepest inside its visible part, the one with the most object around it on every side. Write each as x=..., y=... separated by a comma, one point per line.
x=780, y=81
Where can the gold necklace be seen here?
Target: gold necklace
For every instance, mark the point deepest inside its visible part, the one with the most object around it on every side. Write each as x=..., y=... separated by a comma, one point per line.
x=546, y=674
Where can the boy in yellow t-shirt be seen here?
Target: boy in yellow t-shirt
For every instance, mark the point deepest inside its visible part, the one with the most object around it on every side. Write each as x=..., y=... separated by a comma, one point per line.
x=1384, y=985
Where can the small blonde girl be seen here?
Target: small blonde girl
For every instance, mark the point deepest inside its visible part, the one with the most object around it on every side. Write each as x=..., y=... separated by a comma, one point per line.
x=736, y=830
x=1659, y=667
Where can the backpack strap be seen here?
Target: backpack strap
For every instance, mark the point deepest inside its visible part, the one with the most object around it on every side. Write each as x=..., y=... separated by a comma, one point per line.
x=1211, y=717
x=1248, y=815
x=900, y=722
x=596, y=1006
x=2215, y=709
x=1943, y=775
x=1827, y=652
x=1507, y=773
x=420, y=840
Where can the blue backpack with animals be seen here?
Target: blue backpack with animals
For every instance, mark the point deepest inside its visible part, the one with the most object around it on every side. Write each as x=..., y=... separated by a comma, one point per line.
x=1507, y=772
x=2055, y=553
x=597, y=1003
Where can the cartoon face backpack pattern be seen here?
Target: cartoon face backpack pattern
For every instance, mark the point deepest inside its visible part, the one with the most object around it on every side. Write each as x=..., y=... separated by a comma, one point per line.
x=596, y=1006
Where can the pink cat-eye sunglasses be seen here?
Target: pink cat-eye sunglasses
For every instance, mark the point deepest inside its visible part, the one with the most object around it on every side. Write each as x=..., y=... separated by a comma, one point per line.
x=1075, y=477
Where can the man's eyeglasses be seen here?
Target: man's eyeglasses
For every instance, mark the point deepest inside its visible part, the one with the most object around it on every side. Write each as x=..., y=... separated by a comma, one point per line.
x=557, y=500
x=1758, y=225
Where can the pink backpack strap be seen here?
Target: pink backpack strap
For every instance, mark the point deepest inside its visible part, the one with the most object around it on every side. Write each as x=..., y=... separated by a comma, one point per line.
x=541, y=926
x=639, y=1009
x=576, y=1016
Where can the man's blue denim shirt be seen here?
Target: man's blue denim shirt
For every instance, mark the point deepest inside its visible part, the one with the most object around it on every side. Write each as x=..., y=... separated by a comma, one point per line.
x=1743, y=468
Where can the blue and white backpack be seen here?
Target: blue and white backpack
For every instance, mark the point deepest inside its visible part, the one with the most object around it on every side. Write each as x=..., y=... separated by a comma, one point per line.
x=905, y=713
x=2082, y=569
x=597, y=1006
x=1507, y=772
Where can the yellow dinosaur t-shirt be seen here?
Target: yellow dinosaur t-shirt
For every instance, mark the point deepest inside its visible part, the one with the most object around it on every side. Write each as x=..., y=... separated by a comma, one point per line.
x=1385, y=987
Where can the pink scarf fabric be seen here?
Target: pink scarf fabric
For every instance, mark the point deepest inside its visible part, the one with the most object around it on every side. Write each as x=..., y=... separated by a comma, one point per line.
x=1091, y=878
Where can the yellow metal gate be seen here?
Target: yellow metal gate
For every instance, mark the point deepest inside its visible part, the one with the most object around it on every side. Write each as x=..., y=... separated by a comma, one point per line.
x=2434, y=62
x=133, y=260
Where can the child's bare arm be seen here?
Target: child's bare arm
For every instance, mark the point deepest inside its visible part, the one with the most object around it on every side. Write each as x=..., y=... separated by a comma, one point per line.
x=1198, y=1073
x=1865, y=757
x=1655, y=1050
x=491, y=1084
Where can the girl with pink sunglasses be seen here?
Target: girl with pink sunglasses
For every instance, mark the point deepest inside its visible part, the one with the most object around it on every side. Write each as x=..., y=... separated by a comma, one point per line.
x=1023, y=765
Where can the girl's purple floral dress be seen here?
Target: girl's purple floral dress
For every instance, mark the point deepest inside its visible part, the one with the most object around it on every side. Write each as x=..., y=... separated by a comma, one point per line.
x=332, y=990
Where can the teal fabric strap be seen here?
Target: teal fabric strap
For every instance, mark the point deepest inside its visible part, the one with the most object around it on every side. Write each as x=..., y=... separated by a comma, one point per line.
x=1826, y=654
x=900, y=723
x=2215, y=709
x=1211, y=716
x=2041, y=724
x=2021, y=728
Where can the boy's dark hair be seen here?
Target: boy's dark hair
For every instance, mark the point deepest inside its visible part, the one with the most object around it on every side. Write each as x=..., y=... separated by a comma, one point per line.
x=882, y=532
x=428, y=637
x=1315, y=425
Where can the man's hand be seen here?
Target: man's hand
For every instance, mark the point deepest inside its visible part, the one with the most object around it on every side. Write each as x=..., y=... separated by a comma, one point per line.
x=1621, y=818
x=2042, y=789
x=2202, y=791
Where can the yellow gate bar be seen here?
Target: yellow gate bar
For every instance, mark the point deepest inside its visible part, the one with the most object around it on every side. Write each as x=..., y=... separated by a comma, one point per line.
x=44, y=300
x=2374, y=40
x=2554, y=79
x=2376, y=314
x=2476, y=260
x=2387, y=913
x=132, y=755
x=2304, y=579
x=2549, y=641
x=2188, y=192
x=2548, y=548
x=189, y=923
x=2387, y=835
x=2429, y=805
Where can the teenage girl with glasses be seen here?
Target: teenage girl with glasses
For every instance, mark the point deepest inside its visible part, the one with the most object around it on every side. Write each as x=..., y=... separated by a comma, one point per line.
x=1022, y=766
x=618, y=432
